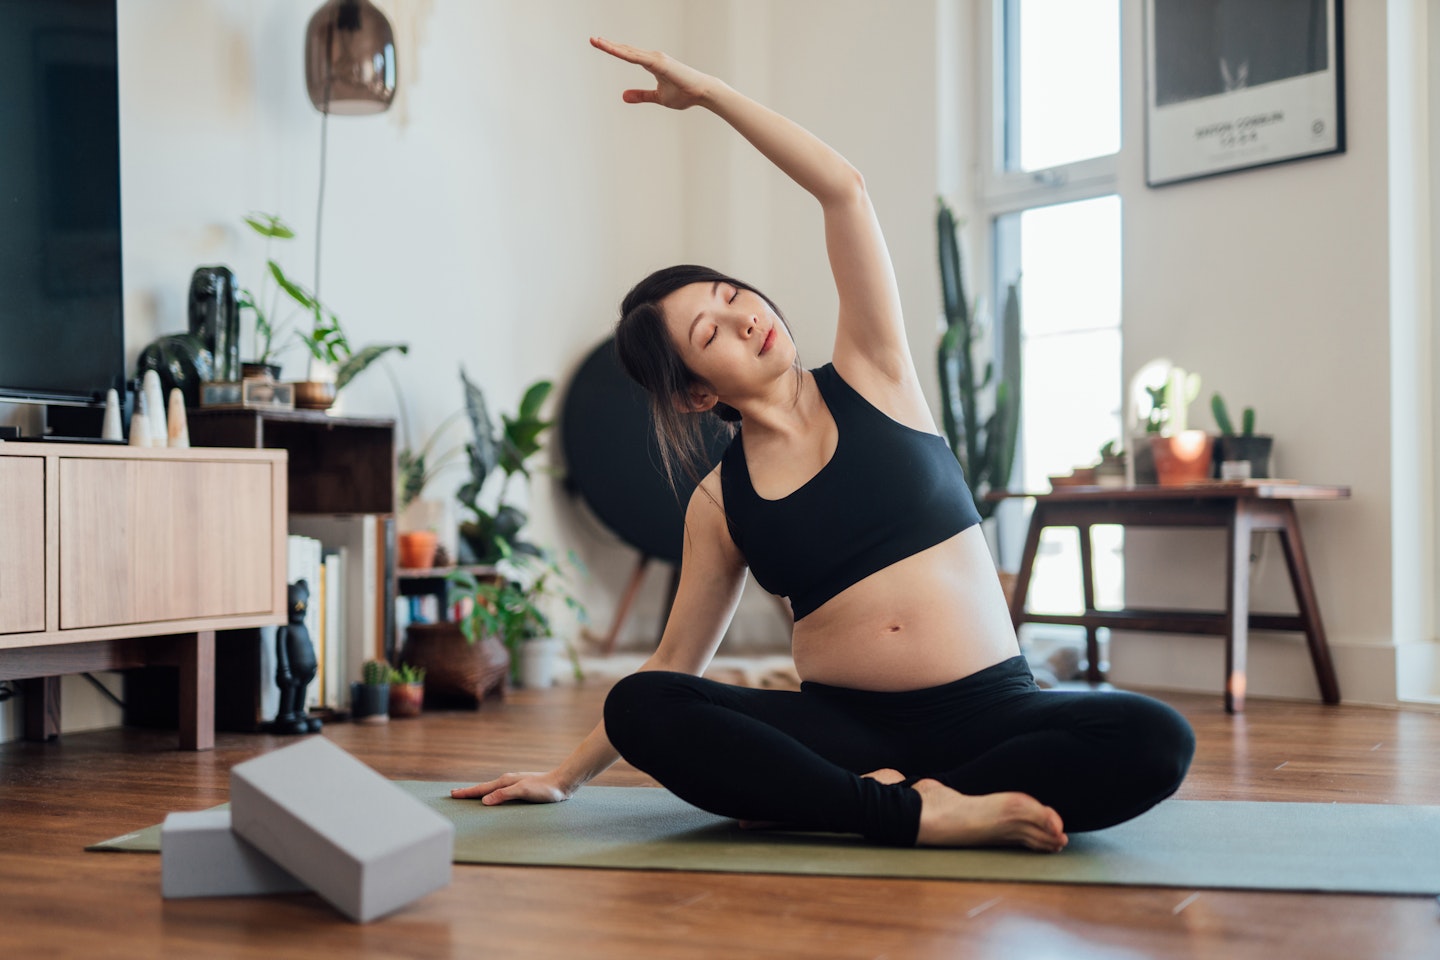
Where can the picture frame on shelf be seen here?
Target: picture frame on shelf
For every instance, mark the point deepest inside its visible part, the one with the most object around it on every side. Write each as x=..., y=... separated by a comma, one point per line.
x=1233, y=85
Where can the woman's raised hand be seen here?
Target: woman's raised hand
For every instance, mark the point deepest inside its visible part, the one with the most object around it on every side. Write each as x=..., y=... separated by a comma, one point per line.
x=676, y=85
x=530, y=787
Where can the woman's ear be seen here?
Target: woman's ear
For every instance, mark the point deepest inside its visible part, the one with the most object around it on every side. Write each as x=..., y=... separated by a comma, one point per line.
x=698, y=400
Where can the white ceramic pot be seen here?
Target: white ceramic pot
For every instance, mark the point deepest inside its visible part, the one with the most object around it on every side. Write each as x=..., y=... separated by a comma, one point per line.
x=539, y=659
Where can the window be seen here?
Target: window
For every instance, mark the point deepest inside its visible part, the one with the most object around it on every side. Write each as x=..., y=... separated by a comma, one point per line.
x=1047, y=192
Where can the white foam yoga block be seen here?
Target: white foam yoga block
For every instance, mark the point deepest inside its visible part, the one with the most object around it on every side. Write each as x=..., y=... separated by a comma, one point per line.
x=200, y=856
x=358, y=840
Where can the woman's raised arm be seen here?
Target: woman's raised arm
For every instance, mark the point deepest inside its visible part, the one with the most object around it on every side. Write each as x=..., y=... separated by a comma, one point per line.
x=870, y=331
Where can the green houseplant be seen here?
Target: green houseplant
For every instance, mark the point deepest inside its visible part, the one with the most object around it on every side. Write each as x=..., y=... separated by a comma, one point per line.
x=516, y=607
x=981, y=413
x=508, y=452
x=333, y=359
x=1246, y=445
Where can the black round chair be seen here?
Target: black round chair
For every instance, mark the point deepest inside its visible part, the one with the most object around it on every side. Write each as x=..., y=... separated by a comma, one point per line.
x=613, y=464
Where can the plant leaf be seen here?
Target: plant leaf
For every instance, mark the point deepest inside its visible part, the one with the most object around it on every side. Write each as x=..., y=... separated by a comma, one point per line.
x=294, y=290
x=269, y=225
x=534, y=397
x=357, y=362
x=484, y=455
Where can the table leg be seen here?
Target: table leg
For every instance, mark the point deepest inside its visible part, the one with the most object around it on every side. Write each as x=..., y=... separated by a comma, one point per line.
x=627, y=600
x=1309, y=606
x=197, y=690
x=1087, y=579
x=1237, y=606
x=1027, y=566
x=42, y=707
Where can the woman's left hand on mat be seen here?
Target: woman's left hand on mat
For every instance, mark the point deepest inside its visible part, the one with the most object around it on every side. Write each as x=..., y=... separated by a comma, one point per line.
x=530, y=787
x=676, y=85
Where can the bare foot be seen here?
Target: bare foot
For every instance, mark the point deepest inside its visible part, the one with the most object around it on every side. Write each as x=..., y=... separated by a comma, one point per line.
x=949, y=818
x=883, y=775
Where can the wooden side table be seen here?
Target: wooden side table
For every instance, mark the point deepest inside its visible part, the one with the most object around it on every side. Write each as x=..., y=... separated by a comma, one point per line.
x=1242, y=508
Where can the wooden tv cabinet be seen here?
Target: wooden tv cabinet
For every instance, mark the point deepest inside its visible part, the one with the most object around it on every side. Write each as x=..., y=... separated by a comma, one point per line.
x=115, y=557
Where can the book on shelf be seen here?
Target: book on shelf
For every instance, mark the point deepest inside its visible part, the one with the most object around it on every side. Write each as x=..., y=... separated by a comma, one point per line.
x=336, y=692
x=355, y=625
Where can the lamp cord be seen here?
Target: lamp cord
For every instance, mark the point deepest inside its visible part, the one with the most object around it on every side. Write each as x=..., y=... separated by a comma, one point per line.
x=324, y=126
x=320, y=203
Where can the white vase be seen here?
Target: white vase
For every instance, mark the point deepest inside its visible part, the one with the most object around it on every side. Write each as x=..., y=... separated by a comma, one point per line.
x=538, y=660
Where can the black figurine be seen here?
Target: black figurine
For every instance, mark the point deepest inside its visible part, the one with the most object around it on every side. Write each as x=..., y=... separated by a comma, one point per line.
x=294, y=666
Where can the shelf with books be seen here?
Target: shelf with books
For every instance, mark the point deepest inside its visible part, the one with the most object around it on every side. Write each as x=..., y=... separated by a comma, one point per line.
x=341, y=517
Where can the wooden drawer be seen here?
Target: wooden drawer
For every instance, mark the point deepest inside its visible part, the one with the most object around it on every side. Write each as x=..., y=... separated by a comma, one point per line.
x=22, y=544
x=143, y=541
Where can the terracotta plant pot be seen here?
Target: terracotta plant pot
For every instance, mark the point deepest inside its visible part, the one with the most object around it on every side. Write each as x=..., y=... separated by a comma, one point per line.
x=406, y=698
x=457, y=673
x=1182, y=458
x=417, y=549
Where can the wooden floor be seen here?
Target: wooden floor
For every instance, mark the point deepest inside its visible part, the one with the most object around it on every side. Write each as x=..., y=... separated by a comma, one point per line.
x=56, y=900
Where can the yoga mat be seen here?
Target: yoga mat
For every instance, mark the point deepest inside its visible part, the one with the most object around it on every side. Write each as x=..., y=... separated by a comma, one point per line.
x=1319, y=847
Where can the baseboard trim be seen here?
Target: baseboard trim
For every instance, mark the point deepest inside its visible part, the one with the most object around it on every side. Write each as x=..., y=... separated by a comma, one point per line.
x=1279, y=666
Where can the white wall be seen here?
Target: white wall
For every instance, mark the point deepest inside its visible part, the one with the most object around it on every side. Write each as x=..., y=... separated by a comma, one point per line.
x=1276, y=285
x=497, y=214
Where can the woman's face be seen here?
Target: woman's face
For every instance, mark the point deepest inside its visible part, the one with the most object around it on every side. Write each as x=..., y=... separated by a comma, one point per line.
x=729, y=337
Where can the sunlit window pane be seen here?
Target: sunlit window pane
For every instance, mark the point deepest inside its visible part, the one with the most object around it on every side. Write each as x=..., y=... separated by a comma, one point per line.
x=1065, y=104
x=1068, y=259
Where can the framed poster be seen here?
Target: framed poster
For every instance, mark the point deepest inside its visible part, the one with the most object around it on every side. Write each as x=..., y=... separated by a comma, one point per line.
x=1234, y=84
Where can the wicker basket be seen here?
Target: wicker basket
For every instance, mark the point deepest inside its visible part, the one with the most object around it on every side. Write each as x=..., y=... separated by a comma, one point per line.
x=457, y=673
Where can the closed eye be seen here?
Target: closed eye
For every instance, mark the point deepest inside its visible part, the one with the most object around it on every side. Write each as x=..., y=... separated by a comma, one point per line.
x=734, y=295
x=713, y=334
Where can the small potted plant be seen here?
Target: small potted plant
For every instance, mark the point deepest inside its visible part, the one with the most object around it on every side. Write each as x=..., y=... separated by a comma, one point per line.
x=1110, y=471
x=1181, y=455
x=407, y=690
x=1247, y=446
x=516, y=610
x=333, y=363
x=419, y=519
x=370, y=698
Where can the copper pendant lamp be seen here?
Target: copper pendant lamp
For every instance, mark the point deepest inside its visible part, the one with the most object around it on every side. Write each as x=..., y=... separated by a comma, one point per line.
x=349, y=58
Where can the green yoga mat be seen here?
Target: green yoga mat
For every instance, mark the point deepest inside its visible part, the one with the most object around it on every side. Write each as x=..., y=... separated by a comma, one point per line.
x=1323, y=847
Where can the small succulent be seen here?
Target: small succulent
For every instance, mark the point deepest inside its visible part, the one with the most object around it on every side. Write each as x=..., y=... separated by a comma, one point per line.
x=407, y=674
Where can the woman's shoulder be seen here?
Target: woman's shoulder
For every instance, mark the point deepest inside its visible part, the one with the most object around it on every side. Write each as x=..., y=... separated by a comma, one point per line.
x=708, y=493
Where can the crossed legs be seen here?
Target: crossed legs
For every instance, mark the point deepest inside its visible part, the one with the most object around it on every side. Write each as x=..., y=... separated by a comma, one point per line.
x=1092, y=759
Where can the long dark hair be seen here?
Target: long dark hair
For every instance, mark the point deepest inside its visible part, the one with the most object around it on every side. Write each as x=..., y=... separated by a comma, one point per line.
x=643, y=344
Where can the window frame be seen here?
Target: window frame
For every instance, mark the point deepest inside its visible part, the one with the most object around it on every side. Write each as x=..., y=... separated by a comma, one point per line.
x=1001, y=191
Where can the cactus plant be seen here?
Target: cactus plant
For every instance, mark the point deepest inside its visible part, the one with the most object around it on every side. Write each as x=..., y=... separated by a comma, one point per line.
x=986, y=452
x=1181, y=389
x=375, y=673
x=1222, y=418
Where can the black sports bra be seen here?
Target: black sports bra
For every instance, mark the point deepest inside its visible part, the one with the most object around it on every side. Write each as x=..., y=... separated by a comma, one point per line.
x=887, y=493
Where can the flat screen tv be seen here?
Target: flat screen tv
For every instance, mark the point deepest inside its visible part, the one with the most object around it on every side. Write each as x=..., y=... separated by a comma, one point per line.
x=62, y=328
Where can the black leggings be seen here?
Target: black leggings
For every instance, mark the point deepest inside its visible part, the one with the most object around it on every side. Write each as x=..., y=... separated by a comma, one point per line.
x=1097, y=758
